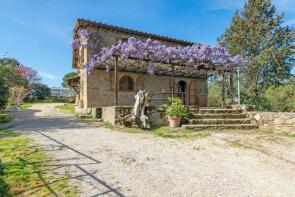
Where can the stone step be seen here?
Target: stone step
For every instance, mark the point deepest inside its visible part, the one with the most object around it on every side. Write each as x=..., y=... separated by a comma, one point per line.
x=218, y=116
x=218, y=126
x=216, y=111
x=219, y=121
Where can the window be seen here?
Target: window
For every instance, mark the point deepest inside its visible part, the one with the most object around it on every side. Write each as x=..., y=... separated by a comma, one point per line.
x=126, y=84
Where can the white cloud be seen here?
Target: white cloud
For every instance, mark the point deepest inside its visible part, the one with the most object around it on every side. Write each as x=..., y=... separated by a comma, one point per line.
x=47, y=75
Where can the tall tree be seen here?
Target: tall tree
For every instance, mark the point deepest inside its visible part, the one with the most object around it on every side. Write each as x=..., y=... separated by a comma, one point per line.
x=257, y=34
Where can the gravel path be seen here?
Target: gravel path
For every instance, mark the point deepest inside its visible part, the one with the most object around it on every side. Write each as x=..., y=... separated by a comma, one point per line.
x=111, y=163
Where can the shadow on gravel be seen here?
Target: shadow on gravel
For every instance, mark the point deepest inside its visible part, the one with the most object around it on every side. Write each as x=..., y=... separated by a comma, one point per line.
x=27, y=121
x=87, y=173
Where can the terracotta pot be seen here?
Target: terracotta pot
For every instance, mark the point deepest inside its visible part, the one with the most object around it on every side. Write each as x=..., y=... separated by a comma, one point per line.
x=174, y=121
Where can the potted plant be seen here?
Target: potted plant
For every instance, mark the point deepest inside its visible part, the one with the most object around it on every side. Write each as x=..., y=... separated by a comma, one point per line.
x=175, y=111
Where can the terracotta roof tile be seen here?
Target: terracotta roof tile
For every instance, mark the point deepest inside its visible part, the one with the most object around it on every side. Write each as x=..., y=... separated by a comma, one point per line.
x=131, y=31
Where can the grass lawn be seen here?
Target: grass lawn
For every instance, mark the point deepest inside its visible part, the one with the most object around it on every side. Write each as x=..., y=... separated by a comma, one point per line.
x=26, y=106
x=25, y=170
x=66, y=107
x=164, y=131
x=4, y=118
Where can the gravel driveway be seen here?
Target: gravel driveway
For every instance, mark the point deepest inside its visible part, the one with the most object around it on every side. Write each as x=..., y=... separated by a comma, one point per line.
x=112, y=163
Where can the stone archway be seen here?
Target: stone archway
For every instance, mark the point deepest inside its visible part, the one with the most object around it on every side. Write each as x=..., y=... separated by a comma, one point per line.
x=182, y=87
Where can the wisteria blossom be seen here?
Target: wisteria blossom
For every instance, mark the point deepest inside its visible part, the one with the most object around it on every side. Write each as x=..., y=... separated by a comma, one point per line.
x=24, y=71
x=213, y=58
x=82, y=40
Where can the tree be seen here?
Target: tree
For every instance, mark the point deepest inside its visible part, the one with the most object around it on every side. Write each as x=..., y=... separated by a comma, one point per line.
x=39, y=91
x=9, y=61
x=3, y=94
x=9, y=77
x=29, y=74
x=17, y=94
x=257, y=34
x=68, y=75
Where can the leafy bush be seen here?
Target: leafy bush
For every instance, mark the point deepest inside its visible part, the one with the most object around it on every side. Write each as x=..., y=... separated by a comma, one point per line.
x=214, y=95
x=64, y=99
x=4, y=118
x=176, y=108
x=281, y=98
x=38, y=91
x=3, y=94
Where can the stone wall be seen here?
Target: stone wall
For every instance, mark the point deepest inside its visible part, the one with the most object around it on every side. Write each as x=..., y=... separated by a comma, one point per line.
x=100, y=89
x=279, y=121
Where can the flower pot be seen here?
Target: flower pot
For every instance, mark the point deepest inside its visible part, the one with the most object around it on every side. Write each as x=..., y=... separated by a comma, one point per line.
x=174, y=121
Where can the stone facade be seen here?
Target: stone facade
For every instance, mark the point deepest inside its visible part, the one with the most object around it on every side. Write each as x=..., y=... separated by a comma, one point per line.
x=97, y=89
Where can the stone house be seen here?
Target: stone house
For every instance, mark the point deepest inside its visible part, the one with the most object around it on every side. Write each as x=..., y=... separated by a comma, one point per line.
x=97, y=89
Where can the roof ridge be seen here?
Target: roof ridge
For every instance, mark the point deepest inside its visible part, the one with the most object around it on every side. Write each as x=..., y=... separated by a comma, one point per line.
x=133, y=31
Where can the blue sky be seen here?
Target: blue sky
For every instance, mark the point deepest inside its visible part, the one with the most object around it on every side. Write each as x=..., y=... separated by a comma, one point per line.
x=38, y=32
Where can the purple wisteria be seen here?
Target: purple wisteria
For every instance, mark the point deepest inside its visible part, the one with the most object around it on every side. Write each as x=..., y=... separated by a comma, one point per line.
x=82, y=40
x=209, y=57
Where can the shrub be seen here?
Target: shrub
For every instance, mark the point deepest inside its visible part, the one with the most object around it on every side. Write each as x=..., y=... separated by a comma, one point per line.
x=38, y=91
x=176, y=108
x=17, y=94
x=281, y=98
x=3, y=94
x=214, y=95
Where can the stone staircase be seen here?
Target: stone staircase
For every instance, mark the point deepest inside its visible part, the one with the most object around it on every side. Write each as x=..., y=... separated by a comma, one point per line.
x=218, y=118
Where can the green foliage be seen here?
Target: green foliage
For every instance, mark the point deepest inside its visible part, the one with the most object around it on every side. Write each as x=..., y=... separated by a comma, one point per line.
x=25, y=106
x=256, y=33
x=38, y=91
x=281, y=98
x=214, y=94
x=9, y=77
x=176, y=108
x=68, y=75
x=63, y=99
x=4, y=118
x=25, y=170
x=4, y=92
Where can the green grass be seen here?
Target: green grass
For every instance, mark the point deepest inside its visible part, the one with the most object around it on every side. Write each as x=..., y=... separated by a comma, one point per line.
x=26, y=105
x=4, y=118
x=107, y=125
x=25, y=170
x=167, y=132
x=288, y=134
x=40, y=101
x=66, y=107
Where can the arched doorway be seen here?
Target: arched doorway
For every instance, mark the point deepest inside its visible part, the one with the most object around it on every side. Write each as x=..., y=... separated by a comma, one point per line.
x=181, y=87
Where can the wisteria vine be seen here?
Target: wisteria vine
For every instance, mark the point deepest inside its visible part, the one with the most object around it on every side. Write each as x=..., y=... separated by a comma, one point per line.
x=213, y=57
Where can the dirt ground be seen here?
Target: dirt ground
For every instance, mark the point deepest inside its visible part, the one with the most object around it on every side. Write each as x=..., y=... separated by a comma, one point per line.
x=113, y=163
